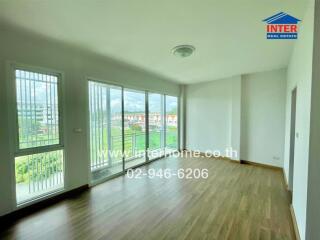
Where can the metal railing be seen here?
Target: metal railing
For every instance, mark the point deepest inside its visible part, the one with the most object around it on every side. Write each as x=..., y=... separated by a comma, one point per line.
x=110, y=155
x=38, y=173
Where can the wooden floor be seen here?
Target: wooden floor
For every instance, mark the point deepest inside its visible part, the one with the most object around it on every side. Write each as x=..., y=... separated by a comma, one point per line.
x=237, y=201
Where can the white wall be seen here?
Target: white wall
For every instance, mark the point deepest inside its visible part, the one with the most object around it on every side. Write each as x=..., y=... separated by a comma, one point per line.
x=313, y=201
x=75, y=65
x=250, y=108
x=263, y=117
x=235, y=122
x=212, y=115
x=300, y=76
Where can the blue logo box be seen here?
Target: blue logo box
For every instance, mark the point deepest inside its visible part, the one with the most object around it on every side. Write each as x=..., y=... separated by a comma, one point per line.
x=282, y=35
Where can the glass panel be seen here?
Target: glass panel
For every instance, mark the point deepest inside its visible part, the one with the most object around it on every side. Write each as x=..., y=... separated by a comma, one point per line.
x=134, y=127
x=171, y=123
x=98, y=126
x=38, y=174
x=38, y=126
x=156, y=125
x=116, y=128
x=37, y=106
x=105, y=130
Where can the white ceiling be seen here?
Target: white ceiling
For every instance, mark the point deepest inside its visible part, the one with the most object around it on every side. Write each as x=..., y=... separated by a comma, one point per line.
x=229, y=36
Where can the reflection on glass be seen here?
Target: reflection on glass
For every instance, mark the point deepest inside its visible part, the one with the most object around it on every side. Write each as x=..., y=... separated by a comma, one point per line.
x=134, y=128
x=171, y=123
x=156, y=125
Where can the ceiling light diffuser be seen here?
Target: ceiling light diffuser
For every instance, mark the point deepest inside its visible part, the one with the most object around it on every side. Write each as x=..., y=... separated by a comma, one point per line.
x=183, y=50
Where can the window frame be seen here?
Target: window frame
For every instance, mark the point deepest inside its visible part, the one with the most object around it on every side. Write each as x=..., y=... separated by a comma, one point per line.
x=40, y=149
x=147, y=92
x=11, y=67
x=178, y=121
x=163, y=117
x=146, y=112
x=121, y=88
x=109, y=86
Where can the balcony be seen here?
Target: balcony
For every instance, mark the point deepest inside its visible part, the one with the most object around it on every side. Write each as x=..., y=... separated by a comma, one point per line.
x=106, y=162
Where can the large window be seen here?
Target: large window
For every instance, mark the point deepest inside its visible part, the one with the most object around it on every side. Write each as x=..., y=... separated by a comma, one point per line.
x=39, y=164
x=105, y=130
x=125, y=125
x=134, y=127
x=171, y=123
x=156, y=125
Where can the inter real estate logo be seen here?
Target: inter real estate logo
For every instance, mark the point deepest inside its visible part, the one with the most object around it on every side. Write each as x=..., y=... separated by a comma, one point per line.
x=282, y=26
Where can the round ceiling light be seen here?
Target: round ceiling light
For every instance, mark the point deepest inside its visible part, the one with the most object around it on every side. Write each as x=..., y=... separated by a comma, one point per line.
x=183, y=50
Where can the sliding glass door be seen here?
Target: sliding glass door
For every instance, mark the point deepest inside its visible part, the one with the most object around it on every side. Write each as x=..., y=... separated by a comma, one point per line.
x=115, y=112
x=125, y=125
x=156, y=125
x=105, y=110
x=134, y=128
x=171, y=124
